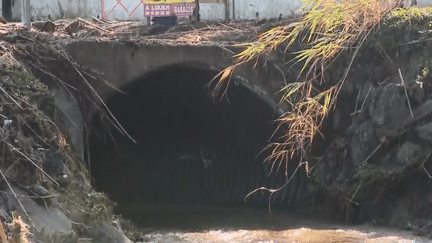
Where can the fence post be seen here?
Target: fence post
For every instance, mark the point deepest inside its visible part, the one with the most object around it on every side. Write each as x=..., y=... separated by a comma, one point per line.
x=25, y=14
x=227, y=13
x=102, y=10
x=233, y=10
x=198, y=16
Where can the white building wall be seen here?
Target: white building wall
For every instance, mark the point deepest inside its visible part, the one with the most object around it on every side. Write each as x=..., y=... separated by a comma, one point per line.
x=56, y=9
x=238, y=9
x=212, y=11
x=134, y=10
x=423, y=3
x=208, y=11
x=248, y=9
x=244, y=9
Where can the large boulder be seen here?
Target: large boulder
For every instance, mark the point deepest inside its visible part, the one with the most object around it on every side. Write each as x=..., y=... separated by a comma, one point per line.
x=108, y=233
x=44, y=218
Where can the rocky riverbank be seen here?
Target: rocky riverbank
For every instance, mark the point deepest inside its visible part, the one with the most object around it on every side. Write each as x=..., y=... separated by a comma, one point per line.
x=378, y=165
x=45, y=193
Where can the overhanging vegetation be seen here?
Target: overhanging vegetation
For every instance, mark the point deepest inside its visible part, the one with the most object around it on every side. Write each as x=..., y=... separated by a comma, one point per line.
x=326, y=28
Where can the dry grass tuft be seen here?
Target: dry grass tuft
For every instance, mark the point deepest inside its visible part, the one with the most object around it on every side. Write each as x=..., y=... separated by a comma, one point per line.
x=302, y=123
x=3, y=236
x=327, y=28
x=19, y=231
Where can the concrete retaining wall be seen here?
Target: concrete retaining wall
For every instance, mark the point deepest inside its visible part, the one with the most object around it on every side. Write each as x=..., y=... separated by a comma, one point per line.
x=212, y=11
x=257, y=9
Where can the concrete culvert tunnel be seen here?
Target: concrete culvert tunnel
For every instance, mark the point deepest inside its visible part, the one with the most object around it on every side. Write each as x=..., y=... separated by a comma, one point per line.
x=190, y=148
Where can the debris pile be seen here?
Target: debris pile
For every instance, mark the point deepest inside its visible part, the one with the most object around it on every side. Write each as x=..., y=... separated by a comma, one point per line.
x=183, y=33
x=41, y=178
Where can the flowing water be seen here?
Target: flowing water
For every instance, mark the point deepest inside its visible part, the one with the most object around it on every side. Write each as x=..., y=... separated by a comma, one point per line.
x=227, y=224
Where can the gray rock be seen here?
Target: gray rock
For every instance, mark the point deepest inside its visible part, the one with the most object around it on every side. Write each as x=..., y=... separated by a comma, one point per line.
x=400, y=217
x=6, y=207
x=46, y=26
x=73, y=27
x=376, y=107
x=425, y=131
x=409, y=153
x=39, y=190
x=108, y=233
x=7, y=81
x=387, y=105
x=49, y=219
x=4, y=215
x=7, y=124
x=427, y=107
x=54, y=164
x=363, y=141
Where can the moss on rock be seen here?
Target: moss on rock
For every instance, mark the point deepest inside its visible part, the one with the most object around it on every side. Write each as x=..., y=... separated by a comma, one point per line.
x=31, y=88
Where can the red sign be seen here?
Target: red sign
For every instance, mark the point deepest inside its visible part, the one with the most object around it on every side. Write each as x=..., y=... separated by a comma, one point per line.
x=160, y=10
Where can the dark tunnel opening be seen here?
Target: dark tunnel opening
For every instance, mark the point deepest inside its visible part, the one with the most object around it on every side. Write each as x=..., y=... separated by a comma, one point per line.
x=190, y=148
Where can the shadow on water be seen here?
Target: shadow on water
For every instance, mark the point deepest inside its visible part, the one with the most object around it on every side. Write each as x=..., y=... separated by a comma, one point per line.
x=200, y=223
x=199, y=217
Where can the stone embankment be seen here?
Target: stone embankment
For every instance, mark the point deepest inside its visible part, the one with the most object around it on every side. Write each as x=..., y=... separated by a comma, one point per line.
x=378, y=165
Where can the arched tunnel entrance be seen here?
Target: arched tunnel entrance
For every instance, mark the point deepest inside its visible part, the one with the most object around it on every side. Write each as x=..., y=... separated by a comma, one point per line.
x=190, y=148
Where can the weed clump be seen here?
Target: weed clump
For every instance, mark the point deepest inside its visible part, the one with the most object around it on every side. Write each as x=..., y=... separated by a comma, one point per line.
x=324, y=30
x=35, y=156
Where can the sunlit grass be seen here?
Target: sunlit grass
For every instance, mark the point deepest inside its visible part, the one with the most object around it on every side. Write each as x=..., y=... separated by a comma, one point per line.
x=326, y=28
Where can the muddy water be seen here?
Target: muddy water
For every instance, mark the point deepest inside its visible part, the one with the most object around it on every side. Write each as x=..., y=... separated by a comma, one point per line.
x=197, y=223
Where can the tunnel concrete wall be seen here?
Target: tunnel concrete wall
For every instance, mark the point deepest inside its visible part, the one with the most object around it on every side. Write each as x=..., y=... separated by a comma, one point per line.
x=126, y=64
x=189, y=148
x=122, y=63
x=112, y=65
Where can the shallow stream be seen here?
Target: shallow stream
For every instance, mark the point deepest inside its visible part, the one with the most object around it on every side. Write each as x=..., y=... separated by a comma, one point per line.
x=166, y=223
